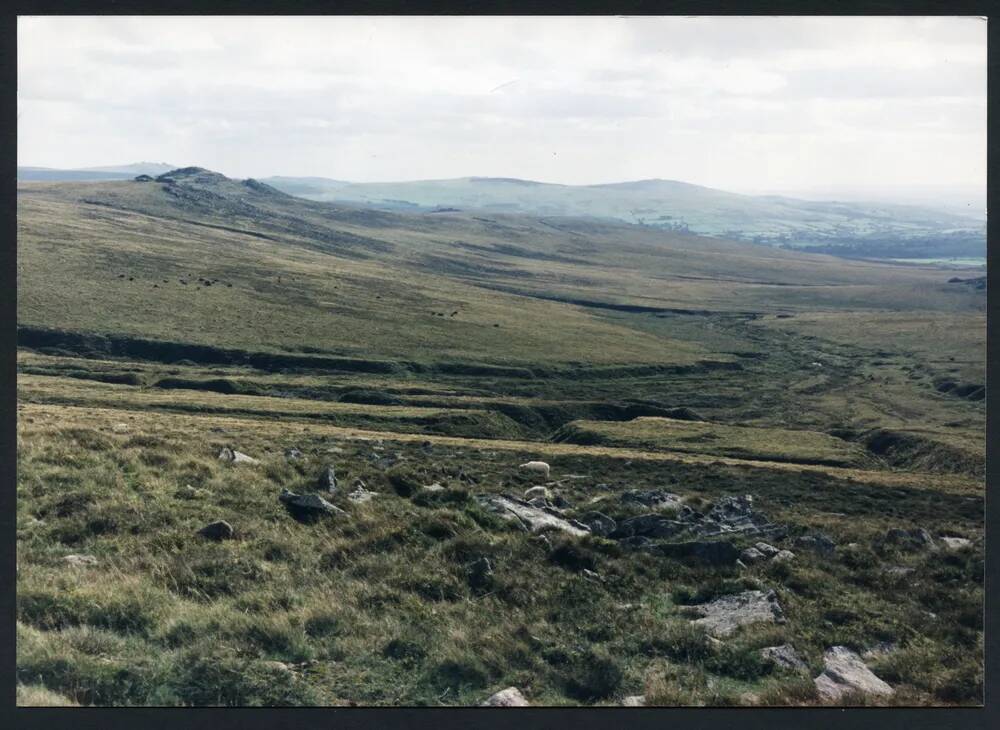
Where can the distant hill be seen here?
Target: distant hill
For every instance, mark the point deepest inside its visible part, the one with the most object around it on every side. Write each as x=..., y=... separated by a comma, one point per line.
x=858, y=229
x=111, y=172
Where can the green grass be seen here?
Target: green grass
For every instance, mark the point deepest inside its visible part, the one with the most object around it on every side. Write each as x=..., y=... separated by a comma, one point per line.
x=767, y=444
x=831, y=423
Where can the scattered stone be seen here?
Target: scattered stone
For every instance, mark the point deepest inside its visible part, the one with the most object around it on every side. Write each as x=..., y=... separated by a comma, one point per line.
x=327, y=481
x=917, y=539
x=955, y=543
x=294, y=455
x=120, y=428
x=510, y=697
x=817, y=543
x=899, y=571
x=219, y=530
x=384, y=462
x=783, y=556
x=768, y=550
x=717, y=552
x=751, y=555
x=534, y=492
x=307, y=507
x=634, y=701
x=480, y=574
x=599, y=523
x=533, y=519
x=360, y=494
x=845, y=673
x=236, y=457
x=726, y=614
x=784, y=657
x=651, y=525
x=653, y=498
x=591, y=575
x=435, y=487
x=540, y=502
x=736, y=514
x=80, y=560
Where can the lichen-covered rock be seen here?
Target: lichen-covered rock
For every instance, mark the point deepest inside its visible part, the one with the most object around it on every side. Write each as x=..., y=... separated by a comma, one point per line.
x=533, y=519
x=599, y=523
x=307, y=507
x=784, y=657
x=510, y=697
x=845, y=673
x=726, y=614
x=751, y=555
x=218, y=530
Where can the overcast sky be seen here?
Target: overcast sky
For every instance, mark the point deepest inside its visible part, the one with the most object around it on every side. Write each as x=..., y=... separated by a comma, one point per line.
x=737, y=103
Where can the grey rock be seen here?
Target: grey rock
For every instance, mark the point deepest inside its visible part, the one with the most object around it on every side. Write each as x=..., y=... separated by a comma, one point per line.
x=307, y=507
x=783, y=556
x=751, y=555
x=653, y=498
x=916, y=539
x=510, y=697
x=634, y=701
x=236, y=457
x=818, y=543
x=768, y=550
x=599, y=523
x=80, y=560
x=218, y=530
x=533, y=519
x=591, y=575
x=294, y=455
x=480, y=574
x=435, y=487
x=361, y=495
x=736, y=515
x=723, y=616
x=651, y=525
x=120, y=428
x=954, y=543
x=713, y=552
x=845, y=673
x=327, y=481
x=541, y=503
x=784, y=657
x=899, y=571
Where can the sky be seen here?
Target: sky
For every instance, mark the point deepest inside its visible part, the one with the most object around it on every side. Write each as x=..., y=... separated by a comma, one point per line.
x=745, y=104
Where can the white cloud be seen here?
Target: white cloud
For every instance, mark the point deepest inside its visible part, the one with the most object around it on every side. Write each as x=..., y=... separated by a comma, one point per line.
x=726, y=101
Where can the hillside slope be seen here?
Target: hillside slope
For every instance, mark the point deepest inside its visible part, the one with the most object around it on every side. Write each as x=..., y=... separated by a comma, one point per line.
x=872, y=229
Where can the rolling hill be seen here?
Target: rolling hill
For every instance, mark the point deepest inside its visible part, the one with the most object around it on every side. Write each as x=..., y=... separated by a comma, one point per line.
x=852, y=228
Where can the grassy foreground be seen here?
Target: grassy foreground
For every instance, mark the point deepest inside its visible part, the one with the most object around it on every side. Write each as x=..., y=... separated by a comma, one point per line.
x=376, y=606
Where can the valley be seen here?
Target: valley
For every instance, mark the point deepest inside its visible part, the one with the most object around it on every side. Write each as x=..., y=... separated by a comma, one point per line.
x=423, y=356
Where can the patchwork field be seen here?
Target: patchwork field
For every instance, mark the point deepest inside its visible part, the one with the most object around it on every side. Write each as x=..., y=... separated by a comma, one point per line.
x=206, y=351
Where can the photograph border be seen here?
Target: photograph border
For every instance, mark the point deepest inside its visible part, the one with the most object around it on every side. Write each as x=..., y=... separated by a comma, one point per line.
x=437, y=718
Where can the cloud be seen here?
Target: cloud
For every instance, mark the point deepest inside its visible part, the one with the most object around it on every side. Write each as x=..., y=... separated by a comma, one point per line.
x=727, y=101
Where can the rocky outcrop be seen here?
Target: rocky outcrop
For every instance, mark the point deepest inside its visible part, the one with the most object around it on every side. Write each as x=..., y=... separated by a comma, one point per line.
x=533, y=519
x=726, y=614
x=845, y=674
